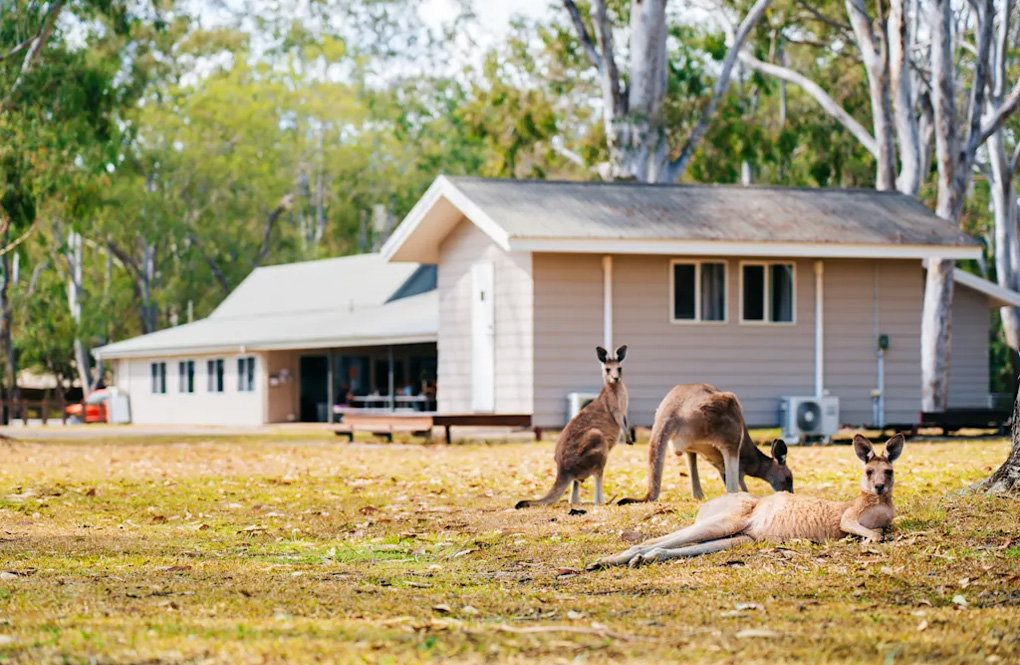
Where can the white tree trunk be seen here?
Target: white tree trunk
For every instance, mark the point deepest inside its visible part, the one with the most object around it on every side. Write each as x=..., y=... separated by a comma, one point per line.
x=875, y=58
x=909, y=179
x=641, y=135
x=73, y=255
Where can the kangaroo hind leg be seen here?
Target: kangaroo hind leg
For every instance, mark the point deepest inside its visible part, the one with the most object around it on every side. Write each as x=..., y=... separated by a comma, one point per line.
x=659, y=554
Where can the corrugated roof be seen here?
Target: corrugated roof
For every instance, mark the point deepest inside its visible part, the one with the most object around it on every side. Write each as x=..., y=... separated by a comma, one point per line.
x=695, y=220
x=314, y=304
x=327, y=284
x=547, y=209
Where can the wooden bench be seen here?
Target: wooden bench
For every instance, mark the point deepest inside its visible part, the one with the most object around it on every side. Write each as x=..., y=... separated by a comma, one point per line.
x=421, y=424
x=384, y=425
x=956, y=419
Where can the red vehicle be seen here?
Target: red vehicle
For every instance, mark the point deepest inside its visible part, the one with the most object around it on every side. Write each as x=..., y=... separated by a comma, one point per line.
x=96, y=408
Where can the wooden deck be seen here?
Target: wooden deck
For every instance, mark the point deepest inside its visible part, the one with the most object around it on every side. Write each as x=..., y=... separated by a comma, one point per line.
x=422, y=423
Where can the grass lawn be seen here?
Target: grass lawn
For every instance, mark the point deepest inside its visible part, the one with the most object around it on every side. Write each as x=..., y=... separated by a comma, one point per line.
x=271, y=552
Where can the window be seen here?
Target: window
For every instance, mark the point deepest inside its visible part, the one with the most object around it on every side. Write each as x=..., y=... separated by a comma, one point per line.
x=698, y=291
x=767, y=293
x=246, y=375
x=214, y=375
x=158, y=372
x=186, y=376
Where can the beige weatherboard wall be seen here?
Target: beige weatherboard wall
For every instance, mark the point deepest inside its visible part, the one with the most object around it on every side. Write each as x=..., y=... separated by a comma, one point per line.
x=583, y=264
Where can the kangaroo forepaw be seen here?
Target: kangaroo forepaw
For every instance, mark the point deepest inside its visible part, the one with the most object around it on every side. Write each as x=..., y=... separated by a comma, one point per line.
x=698, y=495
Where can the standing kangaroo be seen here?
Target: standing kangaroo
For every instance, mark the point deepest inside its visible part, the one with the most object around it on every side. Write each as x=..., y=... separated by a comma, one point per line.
x=734, y=519
x=583, y=447
x=699, y=419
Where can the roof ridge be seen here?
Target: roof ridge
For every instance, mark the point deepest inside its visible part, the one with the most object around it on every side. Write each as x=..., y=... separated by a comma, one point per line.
x=691, y=185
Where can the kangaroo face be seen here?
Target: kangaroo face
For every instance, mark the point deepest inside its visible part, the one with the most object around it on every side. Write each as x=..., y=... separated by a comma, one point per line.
x=878, y=469
x=612, y=367
x=780, y=476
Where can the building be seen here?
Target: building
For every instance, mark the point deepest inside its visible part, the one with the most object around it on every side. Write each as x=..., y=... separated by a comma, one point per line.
x=764, y=291
x=497, y=292
x=289, y=342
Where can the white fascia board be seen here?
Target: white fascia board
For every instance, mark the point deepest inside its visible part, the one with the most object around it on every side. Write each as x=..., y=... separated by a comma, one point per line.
x=1000, y=296
x=268, y=346
x=442, y=188
x=731, y=248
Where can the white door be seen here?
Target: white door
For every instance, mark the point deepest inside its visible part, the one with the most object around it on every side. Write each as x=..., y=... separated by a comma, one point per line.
x=483, y=338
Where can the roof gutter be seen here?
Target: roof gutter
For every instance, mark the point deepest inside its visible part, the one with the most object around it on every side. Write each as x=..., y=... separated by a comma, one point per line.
x=424, y=338
x=743, y=248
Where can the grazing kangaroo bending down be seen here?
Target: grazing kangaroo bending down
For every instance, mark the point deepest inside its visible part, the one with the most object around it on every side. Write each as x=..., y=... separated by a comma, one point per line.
x=699, y=419
x=734, y=519
x=584, y=444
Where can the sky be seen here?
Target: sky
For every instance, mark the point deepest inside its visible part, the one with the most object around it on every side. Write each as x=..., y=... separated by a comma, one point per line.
x=494, y=15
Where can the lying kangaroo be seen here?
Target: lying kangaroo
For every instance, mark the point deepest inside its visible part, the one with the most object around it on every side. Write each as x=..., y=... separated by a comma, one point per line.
x=699, y=419
x=584, y=444
x=734, y=519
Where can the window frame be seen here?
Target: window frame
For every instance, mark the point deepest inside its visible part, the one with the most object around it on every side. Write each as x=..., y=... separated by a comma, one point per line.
x=214, y=364
x=767, y=286
x=157, y=371
x=182, y=377
x=243, y=377
x=697, y=320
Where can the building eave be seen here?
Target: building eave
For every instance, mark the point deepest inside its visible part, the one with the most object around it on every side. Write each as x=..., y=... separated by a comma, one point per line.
x=413, y=240
x=732, y=248
x=280, y=345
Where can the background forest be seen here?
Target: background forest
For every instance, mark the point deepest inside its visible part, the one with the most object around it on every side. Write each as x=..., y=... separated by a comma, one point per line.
x=152, y=152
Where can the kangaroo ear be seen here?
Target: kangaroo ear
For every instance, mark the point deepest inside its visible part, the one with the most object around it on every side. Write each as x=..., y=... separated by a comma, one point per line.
x=621, y=353
x=863, y=448
x=602, y=354
x=894, y=447
x=779, y=451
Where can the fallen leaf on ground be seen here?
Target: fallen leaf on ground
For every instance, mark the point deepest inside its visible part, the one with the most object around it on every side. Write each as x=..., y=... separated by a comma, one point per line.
x=442, y=608
x=748, y=606
x=631, y=537
x=960, y=601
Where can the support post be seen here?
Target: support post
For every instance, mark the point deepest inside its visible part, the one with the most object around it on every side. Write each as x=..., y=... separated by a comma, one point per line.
x=819, y=328
x=330, y=387
x=607, y=302
x=393, y=397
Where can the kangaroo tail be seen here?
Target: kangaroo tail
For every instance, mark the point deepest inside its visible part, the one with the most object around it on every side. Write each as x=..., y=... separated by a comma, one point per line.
x=662, y=430
x=558, y=488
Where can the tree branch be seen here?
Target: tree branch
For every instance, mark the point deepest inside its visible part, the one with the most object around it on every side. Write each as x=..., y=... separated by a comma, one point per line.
x=583, y=34
x=217, y=273
x=982, y=68
x=998, y=117
x=612, y=91
x=38, y=43
x=283, y=206
x=822, y=18
x=830, y=105
x=678, y=165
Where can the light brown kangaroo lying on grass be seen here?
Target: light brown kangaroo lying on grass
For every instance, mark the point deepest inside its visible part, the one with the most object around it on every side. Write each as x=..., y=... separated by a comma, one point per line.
x=734, y=519
x=699, y=419
x=583, y=447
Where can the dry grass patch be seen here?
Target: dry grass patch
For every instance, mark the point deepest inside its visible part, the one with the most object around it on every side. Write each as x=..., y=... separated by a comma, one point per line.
x=253, y=552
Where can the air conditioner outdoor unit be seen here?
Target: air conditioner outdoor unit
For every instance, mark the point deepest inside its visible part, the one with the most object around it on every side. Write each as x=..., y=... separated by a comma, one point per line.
x=577, y=401
x=808, y=417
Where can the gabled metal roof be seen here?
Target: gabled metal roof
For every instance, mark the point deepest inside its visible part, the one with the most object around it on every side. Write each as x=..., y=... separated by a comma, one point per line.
x=340, y=302
x=610, y=217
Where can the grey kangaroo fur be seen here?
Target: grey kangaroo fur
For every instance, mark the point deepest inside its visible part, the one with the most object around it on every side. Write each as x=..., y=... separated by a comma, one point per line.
x=699, y=419
x=583, y=447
